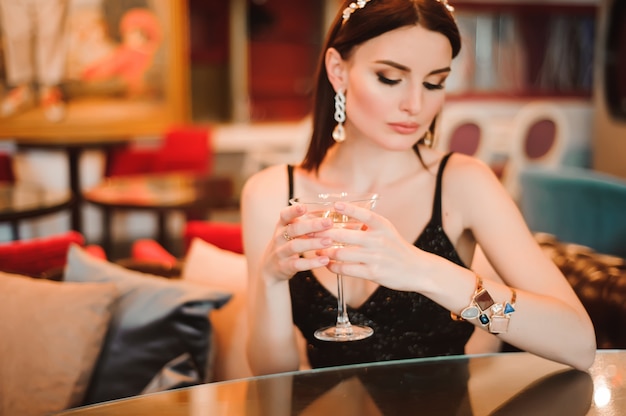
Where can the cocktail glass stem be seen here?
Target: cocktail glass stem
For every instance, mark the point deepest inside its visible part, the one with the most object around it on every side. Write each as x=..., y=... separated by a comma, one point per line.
x=343, y=322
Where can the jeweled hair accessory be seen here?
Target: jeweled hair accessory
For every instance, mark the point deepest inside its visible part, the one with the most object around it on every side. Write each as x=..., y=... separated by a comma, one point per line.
x=347, y=12
x=445, y=3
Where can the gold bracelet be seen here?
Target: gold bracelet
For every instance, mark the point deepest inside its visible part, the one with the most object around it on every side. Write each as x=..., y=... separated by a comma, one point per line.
x=493, y=315
x=501, y=315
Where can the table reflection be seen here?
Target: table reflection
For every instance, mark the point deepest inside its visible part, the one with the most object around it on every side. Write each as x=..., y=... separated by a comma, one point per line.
x=498, y=384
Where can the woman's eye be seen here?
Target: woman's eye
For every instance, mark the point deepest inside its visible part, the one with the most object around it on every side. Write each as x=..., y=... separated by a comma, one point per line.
x=431, y=86
x=387, y=81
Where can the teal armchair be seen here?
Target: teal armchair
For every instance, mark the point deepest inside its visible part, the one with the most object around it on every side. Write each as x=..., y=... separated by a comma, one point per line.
x=576, y=205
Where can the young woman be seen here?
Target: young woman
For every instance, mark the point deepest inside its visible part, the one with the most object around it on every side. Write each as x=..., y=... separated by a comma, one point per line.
x=407, y=271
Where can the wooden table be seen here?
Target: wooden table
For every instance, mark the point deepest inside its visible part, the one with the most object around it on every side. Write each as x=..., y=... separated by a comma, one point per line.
x=193, y=195
x=21, y=200
x=497, y=384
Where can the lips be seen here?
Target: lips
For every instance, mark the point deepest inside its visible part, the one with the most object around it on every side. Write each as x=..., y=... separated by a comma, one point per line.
x=404, y=128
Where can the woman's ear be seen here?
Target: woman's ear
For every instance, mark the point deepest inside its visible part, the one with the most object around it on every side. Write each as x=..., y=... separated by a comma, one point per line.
x=336, y=69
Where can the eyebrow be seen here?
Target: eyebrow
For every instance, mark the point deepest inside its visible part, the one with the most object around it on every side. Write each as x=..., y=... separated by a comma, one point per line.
x=407, y=69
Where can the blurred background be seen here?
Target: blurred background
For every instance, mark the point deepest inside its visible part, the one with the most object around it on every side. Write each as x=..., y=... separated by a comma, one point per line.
x=243, y=70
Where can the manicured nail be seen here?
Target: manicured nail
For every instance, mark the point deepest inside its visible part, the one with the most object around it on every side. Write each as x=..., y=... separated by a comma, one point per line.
x=340, y=206
x=324, y=260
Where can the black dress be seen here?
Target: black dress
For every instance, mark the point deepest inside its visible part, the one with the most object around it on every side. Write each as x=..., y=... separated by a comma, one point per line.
x=406, y=324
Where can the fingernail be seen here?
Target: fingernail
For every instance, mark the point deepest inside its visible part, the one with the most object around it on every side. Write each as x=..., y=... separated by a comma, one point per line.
x=327, y=222
x=327, y=241
x=339, y=206
x=324, y=260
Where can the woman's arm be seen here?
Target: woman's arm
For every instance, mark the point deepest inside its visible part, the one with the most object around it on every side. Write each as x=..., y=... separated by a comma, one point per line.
x=549, y=320
x=272, y=261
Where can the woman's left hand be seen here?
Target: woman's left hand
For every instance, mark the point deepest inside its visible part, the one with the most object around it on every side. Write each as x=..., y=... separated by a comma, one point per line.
x=376, y=252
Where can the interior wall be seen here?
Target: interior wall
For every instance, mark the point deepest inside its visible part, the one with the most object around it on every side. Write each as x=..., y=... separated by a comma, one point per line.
x=609, y=131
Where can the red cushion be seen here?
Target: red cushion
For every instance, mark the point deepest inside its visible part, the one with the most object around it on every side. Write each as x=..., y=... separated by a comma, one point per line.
x=150, y=250
x=224, y=235
x=35, y=256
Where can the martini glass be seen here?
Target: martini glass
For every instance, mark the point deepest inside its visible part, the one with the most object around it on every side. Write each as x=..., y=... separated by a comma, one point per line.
x=323, y=206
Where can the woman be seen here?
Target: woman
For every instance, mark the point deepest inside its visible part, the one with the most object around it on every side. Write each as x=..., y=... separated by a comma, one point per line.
x=408, y=267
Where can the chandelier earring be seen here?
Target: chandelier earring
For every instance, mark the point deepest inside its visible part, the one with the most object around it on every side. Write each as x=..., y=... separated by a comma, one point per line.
x=339, y=133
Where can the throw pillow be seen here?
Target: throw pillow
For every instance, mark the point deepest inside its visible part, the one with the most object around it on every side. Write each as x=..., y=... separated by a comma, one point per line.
x=51, y=334
x=210, y=265
x=38, y=255
x=157, y=323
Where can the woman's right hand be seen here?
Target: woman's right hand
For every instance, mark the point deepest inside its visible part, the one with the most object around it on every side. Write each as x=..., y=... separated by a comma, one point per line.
x=294, y=236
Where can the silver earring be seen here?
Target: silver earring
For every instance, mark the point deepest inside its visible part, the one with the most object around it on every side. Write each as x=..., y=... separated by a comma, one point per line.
x=339, y=133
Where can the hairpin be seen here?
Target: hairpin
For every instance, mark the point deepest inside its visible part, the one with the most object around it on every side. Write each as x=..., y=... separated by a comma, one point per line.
x=445, y=3
x=347, y=12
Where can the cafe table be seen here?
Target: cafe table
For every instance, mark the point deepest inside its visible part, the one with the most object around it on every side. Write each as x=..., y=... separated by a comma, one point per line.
x=22, y=200
x=160, y=193
x=73, y=147
x=516, y=383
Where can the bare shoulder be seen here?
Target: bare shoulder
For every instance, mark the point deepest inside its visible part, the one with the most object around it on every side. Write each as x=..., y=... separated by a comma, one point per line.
x=263, y=196
x=269, y=184
x=468, y=174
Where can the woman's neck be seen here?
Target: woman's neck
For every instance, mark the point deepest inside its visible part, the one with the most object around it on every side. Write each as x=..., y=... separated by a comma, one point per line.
x=362, y=168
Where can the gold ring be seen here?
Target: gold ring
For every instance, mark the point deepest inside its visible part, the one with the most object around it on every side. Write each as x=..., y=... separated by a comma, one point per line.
x=287, y=236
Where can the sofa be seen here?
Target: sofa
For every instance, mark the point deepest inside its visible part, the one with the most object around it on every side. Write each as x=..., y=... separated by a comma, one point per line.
x=94, y=331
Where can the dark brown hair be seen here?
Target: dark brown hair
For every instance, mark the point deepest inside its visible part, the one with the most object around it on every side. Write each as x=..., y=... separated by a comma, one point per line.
x=376, y=18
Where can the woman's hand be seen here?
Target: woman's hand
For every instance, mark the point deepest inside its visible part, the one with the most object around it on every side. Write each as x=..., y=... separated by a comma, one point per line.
x=294, y=235
x=376, y=252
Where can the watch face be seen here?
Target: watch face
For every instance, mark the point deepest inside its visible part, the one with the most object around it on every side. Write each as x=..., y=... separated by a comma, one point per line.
x=484, y=300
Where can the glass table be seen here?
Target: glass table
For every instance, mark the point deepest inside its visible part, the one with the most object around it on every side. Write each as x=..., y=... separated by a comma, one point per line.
x=497, y=384
x=20, y=201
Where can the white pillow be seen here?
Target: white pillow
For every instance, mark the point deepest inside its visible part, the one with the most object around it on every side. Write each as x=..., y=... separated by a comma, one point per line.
x=209, y=264
x=225, y=270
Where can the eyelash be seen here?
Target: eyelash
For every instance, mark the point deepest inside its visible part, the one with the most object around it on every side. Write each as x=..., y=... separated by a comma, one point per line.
x=427, y=85
x=430, y=86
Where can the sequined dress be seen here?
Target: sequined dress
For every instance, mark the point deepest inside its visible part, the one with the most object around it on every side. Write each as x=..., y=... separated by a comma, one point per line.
x=406, y=324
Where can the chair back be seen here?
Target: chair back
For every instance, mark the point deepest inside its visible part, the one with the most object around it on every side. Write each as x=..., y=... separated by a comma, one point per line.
x=465, y=129
x=539, y=137
x=576, y=205
x=185, y=149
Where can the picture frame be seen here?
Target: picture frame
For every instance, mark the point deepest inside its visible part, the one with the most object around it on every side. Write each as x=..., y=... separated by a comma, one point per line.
x=125, y=71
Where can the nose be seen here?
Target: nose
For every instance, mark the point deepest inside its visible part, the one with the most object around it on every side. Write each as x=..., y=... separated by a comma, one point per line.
x=412, y=100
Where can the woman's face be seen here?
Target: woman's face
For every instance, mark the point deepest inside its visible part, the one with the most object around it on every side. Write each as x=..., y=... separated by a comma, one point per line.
x=395, y=86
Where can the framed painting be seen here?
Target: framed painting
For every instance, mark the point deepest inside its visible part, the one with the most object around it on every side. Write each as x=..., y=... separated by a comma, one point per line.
x=92, y=68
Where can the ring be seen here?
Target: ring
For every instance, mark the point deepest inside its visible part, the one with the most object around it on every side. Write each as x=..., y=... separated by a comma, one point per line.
x=287, y=236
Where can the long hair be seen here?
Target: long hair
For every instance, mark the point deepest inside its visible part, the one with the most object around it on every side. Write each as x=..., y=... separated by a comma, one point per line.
x=376, y=18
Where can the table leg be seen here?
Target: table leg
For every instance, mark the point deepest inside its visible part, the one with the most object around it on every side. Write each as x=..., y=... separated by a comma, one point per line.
x=107, y=243
x=15, y=230
x=161, y=228
x=73, y=154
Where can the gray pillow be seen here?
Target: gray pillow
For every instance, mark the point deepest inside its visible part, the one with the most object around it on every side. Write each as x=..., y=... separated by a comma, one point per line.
x=158, y=327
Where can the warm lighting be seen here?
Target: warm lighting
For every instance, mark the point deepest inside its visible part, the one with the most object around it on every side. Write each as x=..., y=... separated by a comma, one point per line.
x=601, y=396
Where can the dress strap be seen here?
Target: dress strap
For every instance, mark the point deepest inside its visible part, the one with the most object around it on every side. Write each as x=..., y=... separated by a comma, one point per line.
x=290, y=177
x=436, y=217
